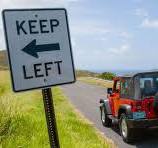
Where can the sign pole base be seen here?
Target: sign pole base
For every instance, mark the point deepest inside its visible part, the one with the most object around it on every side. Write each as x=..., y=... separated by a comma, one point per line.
x=50, y=117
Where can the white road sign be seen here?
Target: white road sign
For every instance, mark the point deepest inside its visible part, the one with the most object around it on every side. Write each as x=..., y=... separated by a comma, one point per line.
x=39, y=48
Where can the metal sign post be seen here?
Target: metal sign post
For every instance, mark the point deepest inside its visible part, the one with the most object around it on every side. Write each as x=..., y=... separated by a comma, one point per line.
x=50, y=117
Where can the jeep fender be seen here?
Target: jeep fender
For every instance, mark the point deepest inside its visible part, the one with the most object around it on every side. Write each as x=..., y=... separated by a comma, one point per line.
x=105, y=103
x=125, y=108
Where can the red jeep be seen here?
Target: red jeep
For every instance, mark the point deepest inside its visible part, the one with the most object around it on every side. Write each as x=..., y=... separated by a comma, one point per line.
x=132, y=103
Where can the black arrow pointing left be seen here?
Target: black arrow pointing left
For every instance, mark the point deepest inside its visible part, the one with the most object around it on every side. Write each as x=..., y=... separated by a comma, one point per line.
x=32, y=49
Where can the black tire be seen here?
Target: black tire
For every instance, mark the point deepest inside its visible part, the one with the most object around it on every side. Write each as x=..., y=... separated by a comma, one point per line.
x=104, y=118
x=126, y=132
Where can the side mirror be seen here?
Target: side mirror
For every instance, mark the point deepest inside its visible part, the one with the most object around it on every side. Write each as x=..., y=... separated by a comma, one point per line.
x=109, y=91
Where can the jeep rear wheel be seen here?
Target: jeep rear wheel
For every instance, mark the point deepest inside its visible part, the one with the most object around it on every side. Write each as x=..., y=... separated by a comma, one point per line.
x=126, y=132
x=104, y=118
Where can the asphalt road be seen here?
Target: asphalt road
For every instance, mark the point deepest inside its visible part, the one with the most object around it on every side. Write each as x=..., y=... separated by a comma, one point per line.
x=86, y=97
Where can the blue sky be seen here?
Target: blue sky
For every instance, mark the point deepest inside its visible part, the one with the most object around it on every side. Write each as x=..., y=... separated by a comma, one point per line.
x=106, y=34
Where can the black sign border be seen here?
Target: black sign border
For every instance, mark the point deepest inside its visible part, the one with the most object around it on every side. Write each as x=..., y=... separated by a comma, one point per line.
x=7, y=45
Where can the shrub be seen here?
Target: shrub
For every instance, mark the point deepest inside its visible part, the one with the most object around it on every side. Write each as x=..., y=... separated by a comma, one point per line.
x=107, y=75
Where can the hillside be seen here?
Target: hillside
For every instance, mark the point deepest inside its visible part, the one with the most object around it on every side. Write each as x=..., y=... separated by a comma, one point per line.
x=3, y=60
x=86, y=73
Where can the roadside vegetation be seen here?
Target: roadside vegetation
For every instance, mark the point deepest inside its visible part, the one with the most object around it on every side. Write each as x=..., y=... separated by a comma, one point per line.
x=96, y=81
x=104, y=75
x=23, y=125
x=3, y=60
x=107, y=75
x=101, y=79
x=86, y=73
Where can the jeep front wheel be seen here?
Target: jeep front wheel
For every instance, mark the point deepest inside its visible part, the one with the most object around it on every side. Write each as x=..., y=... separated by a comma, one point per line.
x=104, y=118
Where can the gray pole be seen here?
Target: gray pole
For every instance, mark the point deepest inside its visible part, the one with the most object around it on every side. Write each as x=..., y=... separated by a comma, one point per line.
x=50, y=117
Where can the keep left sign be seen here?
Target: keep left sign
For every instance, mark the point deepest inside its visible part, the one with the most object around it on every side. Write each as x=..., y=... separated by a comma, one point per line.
x=39, y=48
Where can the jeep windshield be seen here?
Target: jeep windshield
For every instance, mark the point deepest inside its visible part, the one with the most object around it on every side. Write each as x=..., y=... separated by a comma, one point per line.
x=148, y=83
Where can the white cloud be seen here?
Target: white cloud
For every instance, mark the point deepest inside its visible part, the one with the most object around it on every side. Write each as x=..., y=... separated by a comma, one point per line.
x=119, y=51
x=150, y=23
x=90, y=26
x=90, y=29
x=146, y=23
x=103, y=39
x=113, y=58
x=125, y=35
x=141, y=12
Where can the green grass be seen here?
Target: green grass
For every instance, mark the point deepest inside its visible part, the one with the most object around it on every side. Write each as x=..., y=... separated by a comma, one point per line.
x=23, y=125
